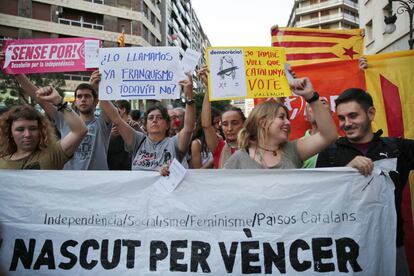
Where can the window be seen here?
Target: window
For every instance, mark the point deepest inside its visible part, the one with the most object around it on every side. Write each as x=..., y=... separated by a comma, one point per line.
x=153, y=18
x=145, y=9
x=145, y=32
x=368, y=32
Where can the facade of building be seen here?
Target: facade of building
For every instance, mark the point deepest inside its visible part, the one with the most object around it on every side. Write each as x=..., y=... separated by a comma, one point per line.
x=324, y=14
x=182, y=28
x=101, y=19
x=377, y=40
x=144, y=22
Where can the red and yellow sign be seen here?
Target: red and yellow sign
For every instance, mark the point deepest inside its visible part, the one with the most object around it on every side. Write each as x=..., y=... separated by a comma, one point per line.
x=308, y=46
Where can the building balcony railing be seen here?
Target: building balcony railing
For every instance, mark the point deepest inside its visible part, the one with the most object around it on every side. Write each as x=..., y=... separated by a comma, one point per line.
x=82, y=24
x=96, y=1
x=76, y=77
x=180, y=7
x=325, y=5
x=326, y=19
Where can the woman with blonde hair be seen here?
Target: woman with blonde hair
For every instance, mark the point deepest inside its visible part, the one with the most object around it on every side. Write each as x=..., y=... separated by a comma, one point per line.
x=264, y=140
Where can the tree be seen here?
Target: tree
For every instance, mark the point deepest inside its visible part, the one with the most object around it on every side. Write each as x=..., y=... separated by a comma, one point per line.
x=12, y=94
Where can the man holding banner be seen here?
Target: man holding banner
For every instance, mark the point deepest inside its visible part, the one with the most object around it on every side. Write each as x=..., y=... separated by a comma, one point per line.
x=360, y=147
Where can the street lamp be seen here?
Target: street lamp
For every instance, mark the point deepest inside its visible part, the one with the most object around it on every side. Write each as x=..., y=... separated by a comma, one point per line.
x=390, y=20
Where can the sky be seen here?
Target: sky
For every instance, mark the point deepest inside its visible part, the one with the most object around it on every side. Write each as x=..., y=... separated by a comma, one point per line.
x=241, y=22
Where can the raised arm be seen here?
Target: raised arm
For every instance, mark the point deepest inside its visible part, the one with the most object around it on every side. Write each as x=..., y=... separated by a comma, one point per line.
x=111, y=114
x=209, y=131
x=327, y=134
x=189, y=117
x=77, y=127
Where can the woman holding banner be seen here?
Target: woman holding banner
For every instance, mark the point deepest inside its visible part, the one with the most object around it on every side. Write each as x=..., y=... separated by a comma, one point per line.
x=154, y=151
x=231, y=121
x=27, y=140
x=264, y=140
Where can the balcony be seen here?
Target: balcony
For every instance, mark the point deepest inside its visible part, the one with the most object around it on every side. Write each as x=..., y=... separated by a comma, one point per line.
x=180, y=7
x=328, y=19
x=82, y=24
x=324, y=6
x=96, y=1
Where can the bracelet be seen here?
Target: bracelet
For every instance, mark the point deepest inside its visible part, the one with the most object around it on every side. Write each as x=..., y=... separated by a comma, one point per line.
x=62, y=106
x=314, y=98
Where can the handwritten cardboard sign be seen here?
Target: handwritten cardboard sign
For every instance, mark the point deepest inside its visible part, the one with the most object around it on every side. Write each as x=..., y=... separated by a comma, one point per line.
x=139, y=73
x=28, y=56
x=246, y=72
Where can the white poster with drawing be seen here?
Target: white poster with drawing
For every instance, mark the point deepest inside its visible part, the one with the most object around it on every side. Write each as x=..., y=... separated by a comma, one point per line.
x=227, y=73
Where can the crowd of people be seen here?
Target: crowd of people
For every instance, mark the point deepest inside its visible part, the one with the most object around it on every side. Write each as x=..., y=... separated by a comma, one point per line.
x=119, y=139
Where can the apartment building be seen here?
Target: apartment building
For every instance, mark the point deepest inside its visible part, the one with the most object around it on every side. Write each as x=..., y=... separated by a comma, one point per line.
x=101, y=19
x=324, y=14
x=379, y=39
x=144, y=22
x=182, y=27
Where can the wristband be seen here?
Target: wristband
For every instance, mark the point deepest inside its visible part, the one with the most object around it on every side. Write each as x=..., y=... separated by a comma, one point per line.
x=189, y=101
x=314, y=98
x=62, y=106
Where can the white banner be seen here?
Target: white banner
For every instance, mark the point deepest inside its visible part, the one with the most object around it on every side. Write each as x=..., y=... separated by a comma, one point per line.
x=139, y=73
x=222, y=222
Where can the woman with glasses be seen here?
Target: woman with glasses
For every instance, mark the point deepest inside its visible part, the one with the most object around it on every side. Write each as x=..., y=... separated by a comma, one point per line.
x=154, y=150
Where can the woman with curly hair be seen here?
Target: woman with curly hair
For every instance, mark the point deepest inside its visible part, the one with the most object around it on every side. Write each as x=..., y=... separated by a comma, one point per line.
x=27, y=140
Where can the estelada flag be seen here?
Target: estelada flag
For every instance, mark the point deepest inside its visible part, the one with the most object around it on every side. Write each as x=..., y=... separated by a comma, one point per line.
x=121, y=40
x=329, y=79
x=308, y=46
x=389, y=79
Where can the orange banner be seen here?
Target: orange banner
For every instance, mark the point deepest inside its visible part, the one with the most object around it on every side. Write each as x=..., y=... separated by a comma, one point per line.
x=308, y=45
x=329, y=79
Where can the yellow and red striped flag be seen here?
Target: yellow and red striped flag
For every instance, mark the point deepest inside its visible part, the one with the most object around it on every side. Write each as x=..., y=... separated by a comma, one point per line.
x=308, y=46
x=389, y=81
x=121, y=39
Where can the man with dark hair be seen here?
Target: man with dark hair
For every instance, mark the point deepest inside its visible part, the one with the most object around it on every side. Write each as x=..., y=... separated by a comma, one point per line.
x=136, y=115
x=92, y=152
x=360, y=147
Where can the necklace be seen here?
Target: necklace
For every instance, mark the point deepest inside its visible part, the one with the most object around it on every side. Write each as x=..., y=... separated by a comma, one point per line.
x=269, y=150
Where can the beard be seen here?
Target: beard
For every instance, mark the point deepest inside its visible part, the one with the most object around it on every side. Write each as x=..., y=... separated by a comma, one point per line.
x=363, y=129
x=87, y=111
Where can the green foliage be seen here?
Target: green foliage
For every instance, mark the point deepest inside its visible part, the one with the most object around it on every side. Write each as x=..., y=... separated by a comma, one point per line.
x=12, y=94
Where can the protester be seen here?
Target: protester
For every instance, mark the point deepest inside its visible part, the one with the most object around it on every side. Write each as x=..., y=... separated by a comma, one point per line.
x=92, y=152
x=152, y=151
x=201, y=156
x=118, y=157
x=181, y=113
x=311, y=162
x=264, y=140
x=27, y=139
x=231, y=121
x=361, y=146
x=174, y=122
